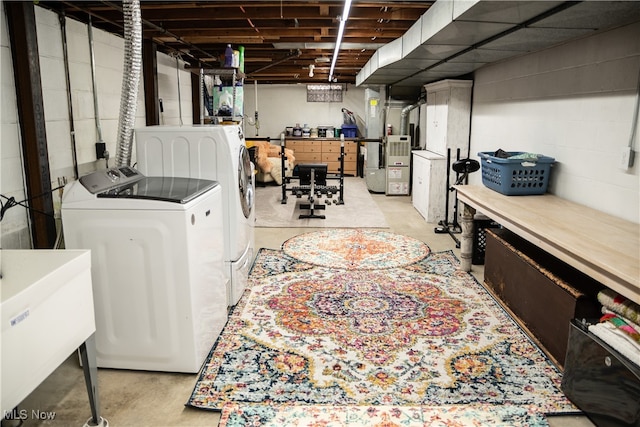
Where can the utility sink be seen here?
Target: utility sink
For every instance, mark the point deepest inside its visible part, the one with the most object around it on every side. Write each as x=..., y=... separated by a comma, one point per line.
x=46, y=313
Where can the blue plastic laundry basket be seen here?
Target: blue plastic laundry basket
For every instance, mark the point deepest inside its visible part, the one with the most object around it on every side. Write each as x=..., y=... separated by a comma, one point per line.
x=516, y=177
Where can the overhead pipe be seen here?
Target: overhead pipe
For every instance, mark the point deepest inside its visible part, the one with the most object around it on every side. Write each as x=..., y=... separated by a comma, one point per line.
x=130, y=80
x=295, y=54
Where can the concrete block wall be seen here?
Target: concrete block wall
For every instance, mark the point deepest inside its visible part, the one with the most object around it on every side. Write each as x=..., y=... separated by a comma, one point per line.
x=109, y=58
x=15, y=223
x=573, y=102
x=174, y=88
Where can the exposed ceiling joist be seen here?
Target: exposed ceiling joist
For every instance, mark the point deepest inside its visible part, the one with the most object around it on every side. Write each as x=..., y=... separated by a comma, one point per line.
x=269, y=31
x=402, y=44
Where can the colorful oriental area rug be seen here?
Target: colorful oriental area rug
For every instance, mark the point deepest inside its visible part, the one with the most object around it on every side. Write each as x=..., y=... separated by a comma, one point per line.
x=365, y=327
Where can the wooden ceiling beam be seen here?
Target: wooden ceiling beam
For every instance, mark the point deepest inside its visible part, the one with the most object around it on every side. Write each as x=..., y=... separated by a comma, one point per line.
x=277, y=25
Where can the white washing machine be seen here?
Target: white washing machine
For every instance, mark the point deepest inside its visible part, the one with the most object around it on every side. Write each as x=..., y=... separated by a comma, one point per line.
x=158, y=279
x=217, y=153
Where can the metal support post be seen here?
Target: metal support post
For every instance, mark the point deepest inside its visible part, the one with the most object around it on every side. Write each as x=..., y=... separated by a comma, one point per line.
x=283, y=159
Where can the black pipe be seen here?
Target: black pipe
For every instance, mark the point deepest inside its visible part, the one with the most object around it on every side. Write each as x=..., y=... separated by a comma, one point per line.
x=455, y=204
x=283, y=158
x=341, y=194
x=446, y=206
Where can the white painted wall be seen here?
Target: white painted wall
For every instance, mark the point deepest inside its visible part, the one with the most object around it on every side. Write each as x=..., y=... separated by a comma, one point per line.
x=109, y=59
x=109, y=62
x=174, y=88
x=280, y=106
x=575, y=103
x=286, y=105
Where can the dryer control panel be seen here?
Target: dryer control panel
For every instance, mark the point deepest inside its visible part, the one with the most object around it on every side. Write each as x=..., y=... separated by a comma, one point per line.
x=103, y=180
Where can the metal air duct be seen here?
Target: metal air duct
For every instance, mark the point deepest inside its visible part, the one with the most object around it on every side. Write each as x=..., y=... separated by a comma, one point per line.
x=404, y=116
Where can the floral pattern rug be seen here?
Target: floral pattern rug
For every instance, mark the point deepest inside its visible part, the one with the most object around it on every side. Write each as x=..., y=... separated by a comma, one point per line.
x=356, y=249
x=234, y=414
x=306, y=337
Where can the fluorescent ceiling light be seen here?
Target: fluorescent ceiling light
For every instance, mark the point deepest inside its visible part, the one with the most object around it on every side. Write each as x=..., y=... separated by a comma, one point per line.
x=347, y=8
x=336, y=50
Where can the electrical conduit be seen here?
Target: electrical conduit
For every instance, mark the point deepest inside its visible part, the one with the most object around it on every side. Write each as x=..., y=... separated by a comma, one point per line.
x=65, y=55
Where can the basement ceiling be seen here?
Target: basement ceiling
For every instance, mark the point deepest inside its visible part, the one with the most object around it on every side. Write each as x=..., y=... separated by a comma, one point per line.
x=454, y=38
x=281, y=38
x=399, y=44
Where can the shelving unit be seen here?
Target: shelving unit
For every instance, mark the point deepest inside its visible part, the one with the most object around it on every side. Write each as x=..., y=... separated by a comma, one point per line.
x=222, y=95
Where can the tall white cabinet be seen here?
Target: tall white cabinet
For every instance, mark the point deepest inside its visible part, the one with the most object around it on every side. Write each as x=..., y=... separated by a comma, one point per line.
x=429, y=181
x=448, y=124
x=448, y=116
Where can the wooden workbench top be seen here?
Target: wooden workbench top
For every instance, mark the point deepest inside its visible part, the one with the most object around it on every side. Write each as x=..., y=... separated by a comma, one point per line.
x=603, y=246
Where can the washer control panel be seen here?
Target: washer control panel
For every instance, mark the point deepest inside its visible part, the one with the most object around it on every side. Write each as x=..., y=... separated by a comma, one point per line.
x=104, y=180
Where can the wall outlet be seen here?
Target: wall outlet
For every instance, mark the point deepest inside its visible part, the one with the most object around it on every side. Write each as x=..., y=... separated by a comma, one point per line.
x=625, y=161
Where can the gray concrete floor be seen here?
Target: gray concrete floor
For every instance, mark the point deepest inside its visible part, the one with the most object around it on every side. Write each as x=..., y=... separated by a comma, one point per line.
x=134, y=398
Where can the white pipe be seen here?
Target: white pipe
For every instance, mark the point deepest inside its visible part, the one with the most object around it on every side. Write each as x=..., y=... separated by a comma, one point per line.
x=93, y=80
x=179, y=97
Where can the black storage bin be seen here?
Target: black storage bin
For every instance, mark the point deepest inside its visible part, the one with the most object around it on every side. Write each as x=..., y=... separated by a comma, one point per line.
x=480, y=225
x=601, y=382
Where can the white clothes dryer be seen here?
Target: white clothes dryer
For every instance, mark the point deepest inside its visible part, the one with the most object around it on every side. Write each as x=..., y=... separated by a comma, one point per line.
x=216, y=153
x=158, y=278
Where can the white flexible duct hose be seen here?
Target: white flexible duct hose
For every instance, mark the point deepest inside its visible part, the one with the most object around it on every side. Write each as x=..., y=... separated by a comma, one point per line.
x=130, y=80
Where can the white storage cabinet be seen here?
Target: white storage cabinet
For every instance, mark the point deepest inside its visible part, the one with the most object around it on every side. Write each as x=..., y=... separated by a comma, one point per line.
x=448, y=116
x=448, y=124
x=429, y=185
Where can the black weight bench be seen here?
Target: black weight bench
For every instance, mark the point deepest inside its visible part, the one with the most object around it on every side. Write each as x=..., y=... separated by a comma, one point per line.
x=313, y=183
